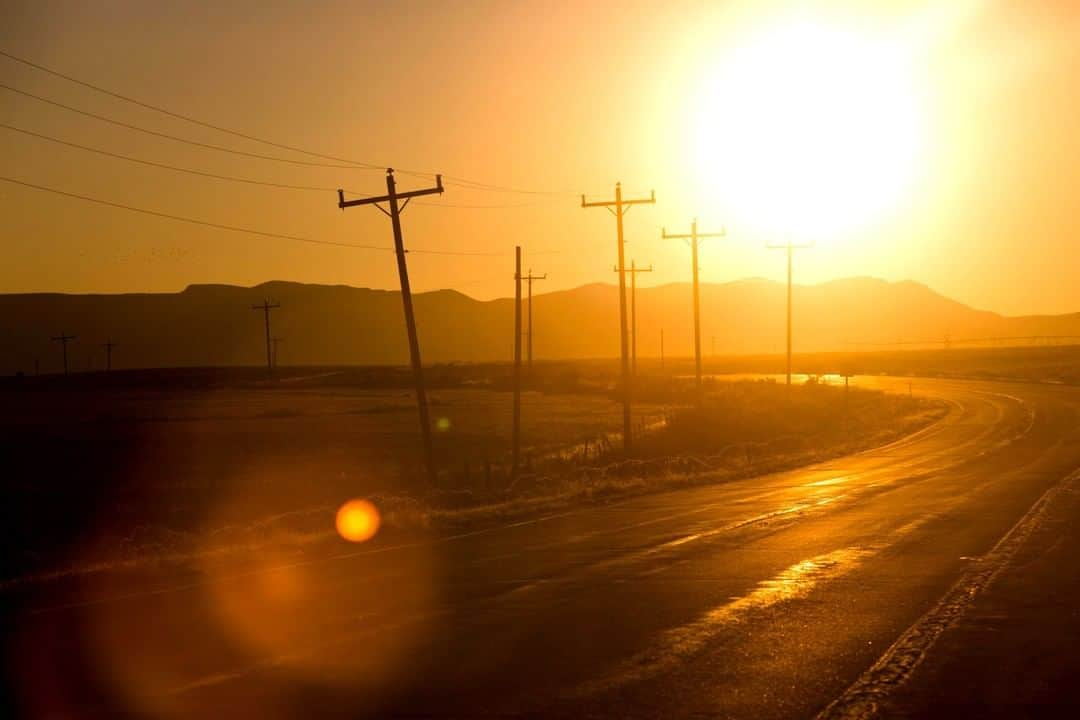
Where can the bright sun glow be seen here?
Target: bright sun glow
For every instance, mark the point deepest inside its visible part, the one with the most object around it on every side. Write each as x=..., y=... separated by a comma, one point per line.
x=807, y=129
x=358, y=520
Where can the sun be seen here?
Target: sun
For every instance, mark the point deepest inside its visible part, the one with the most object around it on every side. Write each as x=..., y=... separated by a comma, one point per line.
x=807, y=129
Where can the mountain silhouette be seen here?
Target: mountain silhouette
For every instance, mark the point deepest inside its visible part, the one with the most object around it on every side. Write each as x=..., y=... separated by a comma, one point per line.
x=208, y=325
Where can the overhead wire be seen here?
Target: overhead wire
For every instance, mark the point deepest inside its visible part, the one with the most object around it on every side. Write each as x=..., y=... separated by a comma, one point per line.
x=180, y=116
x=196, y=143
x=238, y=229
x=460, y=181
x=230, y=178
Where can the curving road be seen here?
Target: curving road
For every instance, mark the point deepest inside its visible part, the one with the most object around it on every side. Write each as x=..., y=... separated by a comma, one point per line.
x=823, y=590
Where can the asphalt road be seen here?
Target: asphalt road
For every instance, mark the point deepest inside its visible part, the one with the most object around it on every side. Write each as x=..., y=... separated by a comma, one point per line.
x=822, y=590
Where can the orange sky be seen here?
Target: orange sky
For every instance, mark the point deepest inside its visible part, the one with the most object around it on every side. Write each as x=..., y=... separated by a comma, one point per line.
x=559, y=97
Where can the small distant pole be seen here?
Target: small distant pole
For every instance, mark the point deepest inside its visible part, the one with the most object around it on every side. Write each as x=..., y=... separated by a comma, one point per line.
x=790, y=248
x=64, y=339
x=276, y=341
x=517, y=363
x=847, y=404
x=529, y=279
x=634, y=270
x=694, y=237
x=109, y=345
x=266, y=307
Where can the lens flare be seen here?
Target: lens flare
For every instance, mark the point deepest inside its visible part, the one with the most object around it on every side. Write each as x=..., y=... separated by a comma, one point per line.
x=358, y=520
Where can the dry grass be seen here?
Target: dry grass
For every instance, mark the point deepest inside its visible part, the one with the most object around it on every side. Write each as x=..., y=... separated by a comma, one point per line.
x=743, y=429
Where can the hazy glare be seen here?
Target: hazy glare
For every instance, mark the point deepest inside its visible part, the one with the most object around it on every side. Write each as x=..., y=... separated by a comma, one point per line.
x=526, y=95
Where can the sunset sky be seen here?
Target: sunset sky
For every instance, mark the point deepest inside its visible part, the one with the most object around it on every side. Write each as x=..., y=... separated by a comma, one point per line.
x=929, y=141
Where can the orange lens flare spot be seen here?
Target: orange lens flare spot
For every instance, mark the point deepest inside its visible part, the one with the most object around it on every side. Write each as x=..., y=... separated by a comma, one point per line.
x=358, y=520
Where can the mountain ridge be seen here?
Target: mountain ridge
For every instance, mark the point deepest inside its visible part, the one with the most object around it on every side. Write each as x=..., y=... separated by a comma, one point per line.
x=213, y=324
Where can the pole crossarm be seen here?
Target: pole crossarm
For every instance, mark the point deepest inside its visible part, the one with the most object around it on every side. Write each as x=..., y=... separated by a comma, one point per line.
x=621, y=205
x=665, y=235
x=437, y=190
x=786, y=246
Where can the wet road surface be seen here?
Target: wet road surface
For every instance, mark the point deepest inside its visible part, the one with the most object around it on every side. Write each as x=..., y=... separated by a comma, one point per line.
x=826, y=590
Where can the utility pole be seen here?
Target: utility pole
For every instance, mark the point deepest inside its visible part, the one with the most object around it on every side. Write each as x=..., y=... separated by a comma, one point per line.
x=517, y=364
x=63, y=338
x=266, y=307
x=694, y=238
x=634, y=270
x=847, y=402
x=109, y=345
x=394, y=213
x=619, y=207
x=529, y=278
x=790, y=248
x=276, y=341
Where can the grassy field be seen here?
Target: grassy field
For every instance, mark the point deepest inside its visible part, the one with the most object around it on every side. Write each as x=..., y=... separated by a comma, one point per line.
x=129, y=471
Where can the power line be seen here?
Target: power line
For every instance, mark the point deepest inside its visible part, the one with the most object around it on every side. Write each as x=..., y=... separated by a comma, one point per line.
x=459, y=181
x=166, y=166
x=176, y=138
x=185, y=118
x=249, y=231
x=193, y=221
x=230, y=178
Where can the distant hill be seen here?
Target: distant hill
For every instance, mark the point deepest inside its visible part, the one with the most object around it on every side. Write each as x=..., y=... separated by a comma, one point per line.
x=321, y=324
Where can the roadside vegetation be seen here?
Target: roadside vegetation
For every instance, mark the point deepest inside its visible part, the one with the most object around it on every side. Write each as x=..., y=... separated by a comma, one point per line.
x=182, y=478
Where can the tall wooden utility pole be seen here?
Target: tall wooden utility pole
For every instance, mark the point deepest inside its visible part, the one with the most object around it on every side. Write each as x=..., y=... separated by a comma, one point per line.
x=619, y=207
x=529, y=279
x=790, y=248
x=517, y=364
x=109, y=345
x=634, y=270
x=63, y=338
x=694, y=237
x=391, y=198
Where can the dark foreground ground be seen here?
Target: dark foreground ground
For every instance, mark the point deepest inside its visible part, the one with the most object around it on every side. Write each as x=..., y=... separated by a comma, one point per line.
x=933, y=576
